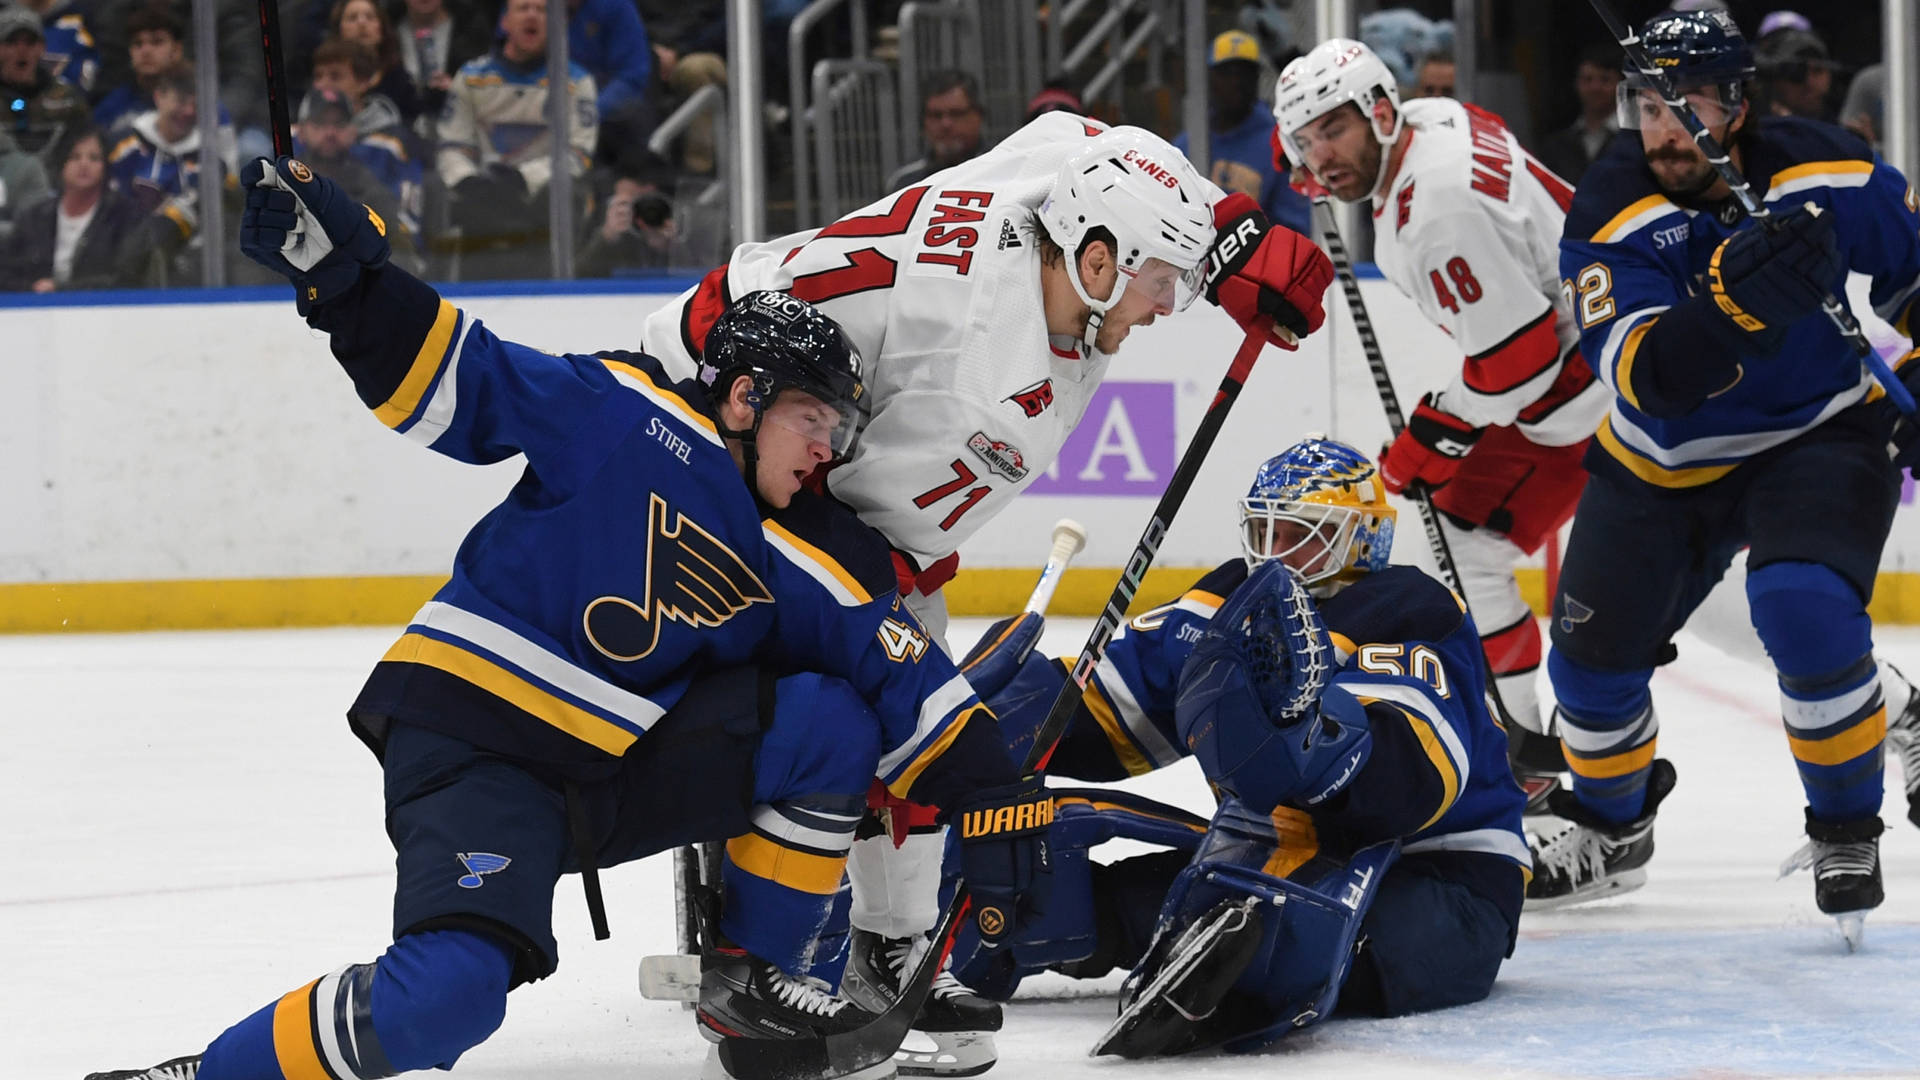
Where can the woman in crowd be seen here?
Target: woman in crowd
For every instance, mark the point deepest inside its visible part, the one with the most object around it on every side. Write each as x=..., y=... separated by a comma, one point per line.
x=79, y=236
x=366, y=22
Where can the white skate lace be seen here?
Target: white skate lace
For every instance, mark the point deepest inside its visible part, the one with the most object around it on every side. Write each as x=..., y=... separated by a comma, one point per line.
x=1576, y=853
x=806, y=995
x=902, y=953
x=183, y=1071
x=1859, y=858
x=1903, y=735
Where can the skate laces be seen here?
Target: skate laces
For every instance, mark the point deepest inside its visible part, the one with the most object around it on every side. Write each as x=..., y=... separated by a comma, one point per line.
x=1828, y=860
x=900, y=956
x=1576, y=853
x=806, y=995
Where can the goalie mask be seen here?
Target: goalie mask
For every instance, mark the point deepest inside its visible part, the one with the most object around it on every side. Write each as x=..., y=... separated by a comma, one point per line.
x=1319, y=507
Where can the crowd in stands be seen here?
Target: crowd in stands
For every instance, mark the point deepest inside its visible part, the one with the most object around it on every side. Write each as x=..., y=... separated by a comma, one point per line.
x=435, y=114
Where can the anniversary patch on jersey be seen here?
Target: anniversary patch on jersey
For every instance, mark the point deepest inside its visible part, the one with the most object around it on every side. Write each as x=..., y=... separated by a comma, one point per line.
x=1003, y=458
x=1034, y=399
x=691, y=578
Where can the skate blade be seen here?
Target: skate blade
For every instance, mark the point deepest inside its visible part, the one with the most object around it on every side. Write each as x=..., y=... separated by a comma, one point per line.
x=712, y=1069
x=954, y=1053
x=1624, y=882
x=670, y=977
x=1853, y=929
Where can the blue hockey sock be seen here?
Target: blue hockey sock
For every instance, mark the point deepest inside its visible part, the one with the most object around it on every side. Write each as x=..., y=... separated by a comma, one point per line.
x=1609, y=731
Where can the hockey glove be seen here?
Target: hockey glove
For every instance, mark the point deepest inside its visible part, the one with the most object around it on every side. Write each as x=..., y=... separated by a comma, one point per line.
x=1259, y=270
x=1764, y=279
x=304, y=226
x=1904, y=441
x=1003, y=854
x=998, y=655
x=1429, y=450
x=1255, y=707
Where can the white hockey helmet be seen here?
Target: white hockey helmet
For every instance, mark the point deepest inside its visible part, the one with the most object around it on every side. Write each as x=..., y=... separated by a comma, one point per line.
x=1138, y=187
x=1337, y=72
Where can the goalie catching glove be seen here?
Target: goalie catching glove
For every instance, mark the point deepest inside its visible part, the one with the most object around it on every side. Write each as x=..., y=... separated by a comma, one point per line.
x=1429, y=450
x=1255, y=705
x=304, y=227
x=1258, y=270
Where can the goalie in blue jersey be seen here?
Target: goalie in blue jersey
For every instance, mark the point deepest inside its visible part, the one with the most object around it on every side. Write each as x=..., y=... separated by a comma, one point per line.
x=1367, y=849
x=609, y=672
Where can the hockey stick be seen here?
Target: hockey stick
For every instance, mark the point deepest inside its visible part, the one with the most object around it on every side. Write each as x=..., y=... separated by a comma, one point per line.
x=676, y=976
x=276, y=78
x=1837, y=312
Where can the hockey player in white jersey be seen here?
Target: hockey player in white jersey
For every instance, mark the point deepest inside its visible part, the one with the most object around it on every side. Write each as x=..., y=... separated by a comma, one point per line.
x=1467, y=225
x=988, y=300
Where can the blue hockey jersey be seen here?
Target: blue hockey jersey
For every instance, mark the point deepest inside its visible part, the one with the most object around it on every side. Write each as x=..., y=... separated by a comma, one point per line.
x=1438, y=776
x=1630, y=253
x=629, y=558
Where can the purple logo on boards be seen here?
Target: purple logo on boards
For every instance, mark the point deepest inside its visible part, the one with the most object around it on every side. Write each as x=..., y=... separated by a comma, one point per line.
x=1126, y=444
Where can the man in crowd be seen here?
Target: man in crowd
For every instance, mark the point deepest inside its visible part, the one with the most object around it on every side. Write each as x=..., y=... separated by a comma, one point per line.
x=950, y=119
x=1240, y=153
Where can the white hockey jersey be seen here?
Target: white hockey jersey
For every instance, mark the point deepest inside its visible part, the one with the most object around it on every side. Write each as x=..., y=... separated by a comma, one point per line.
x=939, y=287
x=1470, y=230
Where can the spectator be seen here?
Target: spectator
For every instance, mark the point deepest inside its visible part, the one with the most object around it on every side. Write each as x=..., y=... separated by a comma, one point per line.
x=1055, y=96
x=689, y=49
x=1240, y=143
x=1596, y=81
x=39, y=107
x=157, y=162
x=1795, y=73
x=352, y=70
x=433, y=46
x=949, y=125
x=155, y=42
x=1401, y=37
x=326, y=139
x=84, y=236
x=23, y=179
x=495, y=153
x=638, y=230
x=1434, y=76
x=365, y=23
x=1863, y=112
x=606, y=38
x=70, y=53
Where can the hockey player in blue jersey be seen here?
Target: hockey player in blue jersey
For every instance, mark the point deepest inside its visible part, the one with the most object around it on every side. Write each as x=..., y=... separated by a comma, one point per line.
x=1741, y=418
x=599, y=680
x=1338, y=706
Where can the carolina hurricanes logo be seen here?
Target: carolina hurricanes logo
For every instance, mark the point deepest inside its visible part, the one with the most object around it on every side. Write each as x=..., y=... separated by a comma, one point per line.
x=1034, y=399
x=1003, y=458
x=691, y=577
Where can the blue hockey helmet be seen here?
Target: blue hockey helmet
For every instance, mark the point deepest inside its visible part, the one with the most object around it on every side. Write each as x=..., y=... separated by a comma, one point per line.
x=1697, y=51
x=1320, y=506
x=785, y=343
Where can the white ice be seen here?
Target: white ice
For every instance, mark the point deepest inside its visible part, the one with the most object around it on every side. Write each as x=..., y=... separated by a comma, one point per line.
x=190, y=831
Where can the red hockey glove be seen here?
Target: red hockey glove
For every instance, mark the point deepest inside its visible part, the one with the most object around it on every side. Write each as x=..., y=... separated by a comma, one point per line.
x=1258, y=269
x=1429, y=450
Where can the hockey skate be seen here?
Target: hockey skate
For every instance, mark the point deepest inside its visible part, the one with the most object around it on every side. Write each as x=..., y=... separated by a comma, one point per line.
x=745, y=997
x=959, y=1022
x=1537, y=763
x=1588, y=858
x=180, y=1068
x=1903, y=731
x=1185, y=984
x=1845, y=860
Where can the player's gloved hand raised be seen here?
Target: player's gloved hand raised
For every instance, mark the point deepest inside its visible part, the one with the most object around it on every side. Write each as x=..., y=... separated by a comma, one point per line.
x=1261, y=270
x=1003, y=854
x=1255, y=705
x=1764, y=279
x=1429, y=450
x=304, y=226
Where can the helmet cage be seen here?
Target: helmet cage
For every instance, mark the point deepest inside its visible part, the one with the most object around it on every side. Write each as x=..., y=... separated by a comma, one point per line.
x=1335, y=528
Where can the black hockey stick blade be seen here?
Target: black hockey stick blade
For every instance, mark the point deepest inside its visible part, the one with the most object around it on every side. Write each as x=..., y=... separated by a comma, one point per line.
x=853, y=1051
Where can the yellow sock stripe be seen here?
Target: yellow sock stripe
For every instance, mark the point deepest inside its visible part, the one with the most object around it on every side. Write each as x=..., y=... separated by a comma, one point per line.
x=1115, y=729
x=800, y=870
x=293, y=1045
x=1437, y=754
x=1296, y=840
x=1864, y=737
x=406, y=398
x=509, y=687
x=904, y=782
x=1609, y=766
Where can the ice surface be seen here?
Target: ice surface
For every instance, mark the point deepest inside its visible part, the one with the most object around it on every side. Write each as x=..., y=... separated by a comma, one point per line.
x=190, y=831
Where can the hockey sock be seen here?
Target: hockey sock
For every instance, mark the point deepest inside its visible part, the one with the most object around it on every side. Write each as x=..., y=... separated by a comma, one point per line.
x=780, y=879
x=430, y=997
x=1820, y=639
x=1609, y=730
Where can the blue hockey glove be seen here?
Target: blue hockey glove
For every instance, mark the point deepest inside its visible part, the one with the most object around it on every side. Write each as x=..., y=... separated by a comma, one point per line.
x=1254, y=705
x=1003, y=854
x=1764, y=279
x=305, y=227
x=996, y=658
x=1904, y=441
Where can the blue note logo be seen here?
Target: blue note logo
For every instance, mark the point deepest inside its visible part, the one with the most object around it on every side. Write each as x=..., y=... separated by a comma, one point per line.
x=1572, y=614
x=479, y=864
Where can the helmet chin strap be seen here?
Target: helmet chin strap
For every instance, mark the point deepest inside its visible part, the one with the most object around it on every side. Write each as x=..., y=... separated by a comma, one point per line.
x=749, y=450
x=1096, y=309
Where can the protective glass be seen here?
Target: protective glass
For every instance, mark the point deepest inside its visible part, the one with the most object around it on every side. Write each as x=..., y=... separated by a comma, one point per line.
x=833, y=423
x=1167, y=285
x=1638, y=105
x=1316, y=541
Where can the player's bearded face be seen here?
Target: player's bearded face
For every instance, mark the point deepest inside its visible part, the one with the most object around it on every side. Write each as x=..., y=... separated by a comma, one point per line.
x=1675, y=159
x=1342, y=152
x=797, y=435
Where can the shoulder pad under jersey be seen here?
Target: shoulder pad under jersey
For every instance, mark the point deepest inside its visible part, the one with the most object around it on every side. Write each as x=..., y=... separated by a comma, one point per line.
x=1400, y=603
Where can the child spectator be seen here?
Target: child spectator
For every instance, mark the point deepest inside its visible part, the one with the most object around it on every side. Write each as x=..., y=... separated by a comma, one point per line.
x=83, y=236
x=386, y=144
x=155, y=42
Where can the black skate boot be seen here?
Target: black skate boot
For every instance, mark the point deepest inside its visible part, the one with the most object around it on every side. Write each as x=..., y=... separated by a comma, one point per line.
x=180, y=1068
x=1903, y=731
x=1166, y=1005
x=1845, y=860
x=1537, y=763
x=745, y=997
x=1589, y=858
x=959, y=1022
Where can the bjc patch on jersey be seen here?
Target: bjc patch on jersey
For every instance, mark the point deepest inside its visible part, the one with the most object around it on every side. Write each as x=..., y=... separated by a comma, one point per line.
x=1034, y=399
